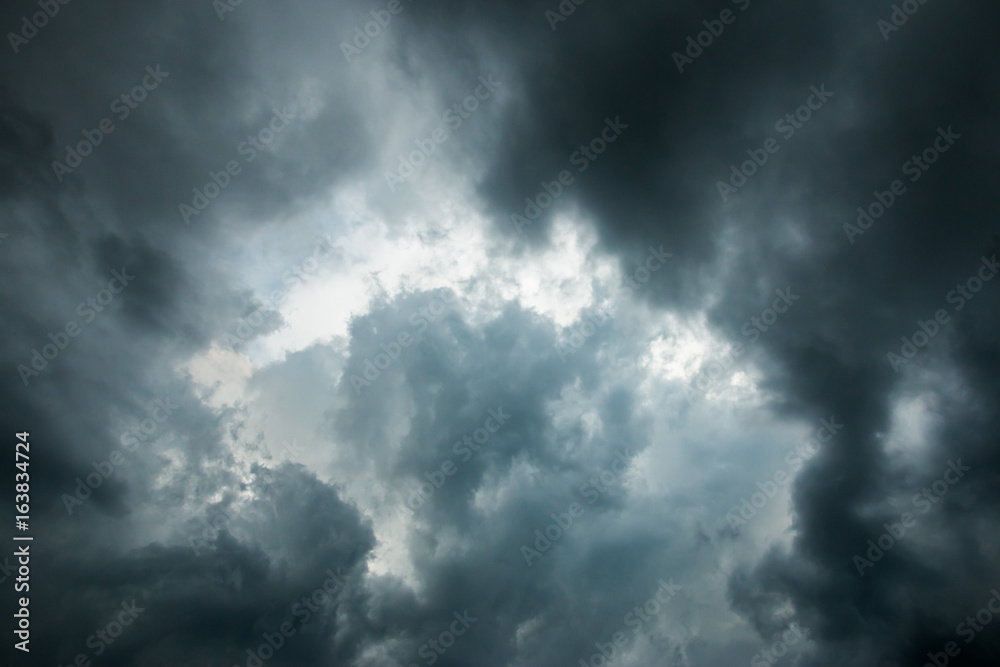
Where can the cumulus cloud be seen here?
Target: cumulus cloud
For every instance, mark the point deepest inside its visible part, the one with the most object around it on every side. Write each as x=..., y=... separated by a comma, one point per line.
x=523, y=334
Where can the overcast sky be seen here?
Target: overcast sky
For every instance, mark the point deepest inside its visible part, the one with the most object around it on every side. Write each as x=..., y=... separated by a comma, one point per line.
x=519, y=334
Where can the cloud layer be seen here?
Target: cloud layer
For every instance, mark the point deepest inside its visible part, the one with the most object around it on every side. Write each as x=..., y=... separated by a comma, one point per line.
x=538, y=333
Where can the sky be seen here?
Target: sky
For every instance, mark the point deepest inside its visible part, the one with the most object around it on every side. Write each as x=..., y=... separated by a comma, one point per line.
x=521, y=334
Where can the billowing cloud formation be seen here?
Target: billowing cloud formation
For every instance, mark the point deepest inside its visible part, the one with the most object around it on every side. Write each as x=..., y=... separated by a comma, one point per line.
x=539, y=333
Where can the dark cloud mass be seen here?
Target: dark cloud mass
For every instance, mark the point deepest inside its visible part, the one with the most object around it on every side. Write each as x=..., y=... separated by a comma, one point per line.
x=533, y=333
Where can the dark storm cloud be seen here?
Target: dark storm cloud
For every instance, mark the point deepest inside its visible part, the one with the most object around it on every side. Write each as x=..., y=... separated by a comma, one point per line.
x=118, y=211
x=219, y=600
x=606, y=61
x=455, y=378
x=830, y=356
x=890, y=99
x=656, y=183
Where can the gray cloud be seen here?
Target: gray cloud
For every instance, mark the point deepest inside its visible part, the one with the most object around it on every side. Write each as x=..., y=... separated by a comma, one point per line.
x=216, y=527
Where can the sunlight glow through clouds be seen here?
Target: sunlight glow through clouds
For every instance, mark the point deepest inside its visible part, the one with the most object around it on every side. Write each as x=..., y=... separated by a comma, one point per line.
x=450, y=250
x=450, y=246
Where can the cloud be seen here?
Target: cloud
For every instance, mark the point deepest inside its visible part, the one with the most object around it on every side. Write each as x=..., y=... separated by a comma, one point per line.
x=296, y=444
